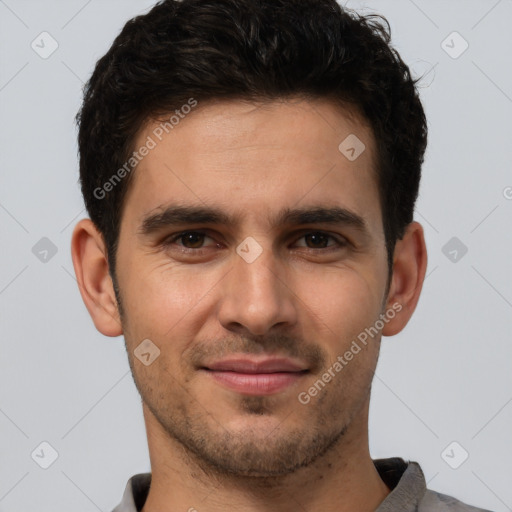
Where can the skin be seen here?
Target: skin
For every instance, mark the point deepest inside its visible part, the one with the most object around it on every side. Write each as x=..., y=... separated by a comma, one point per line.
x=305, y=298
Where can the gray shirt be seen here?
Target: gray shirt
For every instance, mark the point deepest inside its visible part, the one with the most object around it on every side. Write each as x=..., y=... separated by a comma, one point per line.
x=409, y=491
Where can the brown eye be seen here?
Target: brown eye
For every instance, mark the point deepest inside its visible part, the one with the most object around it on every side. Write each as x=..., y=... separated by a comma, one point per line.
x=192, y=239
x=320, y=240
x=187, y=241
x=317, y=239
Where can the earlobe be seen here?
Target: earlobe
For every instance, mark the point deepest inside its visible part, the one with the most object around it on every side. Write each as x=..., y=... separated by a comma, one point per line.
x=88, y=252
x=409, y=267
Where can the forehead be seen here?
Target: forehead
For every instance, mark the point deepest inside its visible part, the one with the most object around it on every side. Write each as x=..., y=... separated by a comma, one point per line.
x=256, y=158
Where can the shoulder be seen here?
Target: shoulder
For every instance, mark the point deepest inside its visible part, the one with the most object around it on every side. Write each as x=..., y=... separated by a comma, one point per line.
x=409, y=490
x=436, y=502
x=135, y=493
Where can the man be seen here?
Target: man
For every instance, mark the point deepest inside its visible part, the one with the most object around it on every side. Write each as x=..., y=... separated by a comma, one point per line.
x=250, y=169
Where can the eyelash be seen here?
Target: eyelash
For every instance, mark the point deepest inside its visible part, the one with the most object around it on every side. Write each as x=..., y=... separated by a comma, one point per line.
x=340, y=243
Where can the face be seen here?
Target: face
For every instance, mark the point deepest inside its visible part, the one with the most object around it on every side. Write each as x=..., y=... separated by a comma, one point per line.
x=252, y=255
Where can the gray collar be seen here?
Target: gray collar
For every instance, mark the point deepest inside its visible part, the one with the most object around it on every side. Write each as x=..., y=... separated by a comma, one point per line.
x=405, y=479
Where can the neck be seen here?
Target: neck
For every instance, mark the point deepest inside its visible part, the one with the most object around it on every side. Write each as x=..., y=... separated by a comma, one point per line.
x=343, y=479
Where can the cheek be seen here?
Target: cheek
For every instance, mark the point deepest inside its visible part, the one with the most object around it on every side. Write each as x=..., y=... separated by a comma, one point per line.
x=342, y=302
x=349, y=307
x=161, y=300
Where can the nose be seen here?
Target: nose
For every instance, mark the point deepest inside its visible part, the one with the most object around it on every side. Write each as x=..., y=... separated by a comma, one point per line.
x=257, y=296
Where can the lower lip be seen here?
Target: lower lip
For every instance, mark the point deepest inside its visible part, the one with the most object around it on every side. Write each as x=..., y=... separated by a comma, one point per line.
x=256, y=383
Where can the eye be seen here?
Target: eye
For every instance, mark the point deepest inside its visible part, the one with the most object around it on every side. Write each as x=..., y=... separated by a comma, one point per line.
x=320, y=240
x=191, y=241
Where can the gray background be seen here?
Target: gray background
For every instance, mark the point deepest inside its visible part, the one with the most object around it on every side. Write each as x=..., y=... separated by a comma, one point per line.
x=445, y=378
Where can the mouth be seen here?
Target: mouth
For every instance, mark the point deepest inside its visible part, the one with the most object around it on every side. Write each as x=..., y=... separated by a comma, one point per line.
x=256, y=376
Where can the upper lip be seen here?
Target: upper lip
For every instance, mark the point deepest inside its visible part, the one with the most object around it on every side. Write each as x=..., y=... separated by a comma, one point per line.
x=248, y=365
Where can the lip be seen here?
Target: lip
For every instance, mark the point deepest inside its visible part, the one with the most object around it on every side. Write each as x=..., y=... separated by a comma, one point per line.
x=250, y=365
x=256, y=377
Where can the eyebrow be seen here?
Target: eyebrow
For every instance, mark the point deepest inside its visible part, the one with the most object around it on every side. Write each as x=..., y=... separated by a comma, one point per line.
x=174, y=215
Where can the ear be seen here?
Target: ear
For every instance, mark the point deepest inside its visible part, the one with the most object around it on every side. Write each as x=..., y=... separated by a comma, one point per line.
x=409, y=267
x=88, y=252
